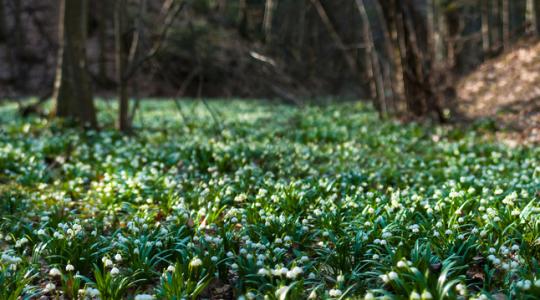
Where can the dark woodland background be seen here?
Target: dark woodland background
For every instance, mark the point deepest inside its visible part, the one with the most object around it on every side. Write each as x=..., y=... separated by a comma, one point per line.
x=405, y=55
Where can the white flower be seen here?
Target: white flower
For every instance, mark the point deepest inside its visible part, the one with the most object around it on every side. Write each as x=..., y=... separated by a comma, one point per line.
x=263, y=272
x=427, y=295
x=115, y=271
x=414, y=296
x=392, y=275
x=171, y=268
x=118, y=257
x=461, y=288
x=70, y=267
x=335, y=293
x=11, y=259
x=49, y=287
x=92, y=292
x=369, y=296
x=55, y=272
x=144, y=297
x=292, y=274
x=195, y=262
x=401, y=264
x=107, y=262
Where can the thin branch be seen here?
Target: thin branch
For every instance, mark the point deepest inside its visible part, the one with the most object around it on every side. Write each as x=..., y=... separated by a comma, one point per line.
x=169, y=20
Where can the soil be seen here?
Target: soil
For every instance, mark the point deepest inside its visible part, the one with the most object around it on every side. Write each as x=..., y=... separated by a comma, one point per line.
x=506, y=89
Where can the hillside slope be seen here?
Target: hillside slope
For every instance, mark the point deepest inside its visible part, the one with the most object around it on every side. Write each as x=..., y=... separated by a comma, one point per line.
x=507, y=89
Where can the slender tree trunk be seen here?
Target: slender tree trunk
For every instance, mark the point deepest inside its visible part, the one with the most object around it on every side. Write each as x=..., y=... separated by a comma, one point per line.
x=243, y=18
x=506, y=24
x=268, y=19
x=486, y=47
x=349, y=59
x=536, y=13
x=301, y=24
x=18, y=31
x=496, y=26
x=431, y=29
x=393, y=52
x=533, y=10
x=121, y=61
x=3, y=24
x=103, y=6
x=536, y=16
x=418, y=71
x=72, y=93
x=376, y=80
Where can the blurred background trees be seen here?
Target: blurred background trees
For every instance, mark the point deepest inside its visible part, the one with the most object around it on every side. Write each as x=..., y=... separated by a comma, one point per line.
x=404, y=55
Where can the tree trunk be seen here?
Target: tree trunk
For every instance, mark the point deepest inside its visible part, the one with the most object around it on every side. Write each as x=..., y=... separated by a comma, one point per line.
x=243, y=19
x=394, y=54
x=418, y=71
x=18, y=31
x=506, y=24
x=268, y=19
x=431, y=28
x=121, y=60
x=536, y=12
x=486, y=47
x=102, y=39
x=533, y=13
x=372, y=61
x=496, y=40
x=349, y=59
x=73, y=94
x=3, y=24
x=536, y=16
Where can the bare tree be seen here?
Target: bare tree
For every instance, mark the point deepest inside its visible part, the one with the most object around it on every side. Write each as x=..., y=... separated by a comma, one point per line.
x=484, y=10
x=417, y=65
x=104, y=14
x=533, y=15
x=72, y=90
x=372, y=61
x=268, y=19
x=3, y=23
x=506, y=24
x=129, y=59
x=349, y=59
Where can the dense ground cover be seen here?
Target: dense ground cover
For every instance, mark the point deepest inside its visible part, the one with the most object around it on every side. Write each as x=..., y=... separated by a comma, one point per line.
x=272, y=201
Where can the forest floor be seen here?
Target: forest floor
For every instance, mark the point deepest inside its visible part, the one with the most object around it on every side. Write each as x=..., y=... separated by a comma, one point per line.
x=507, y=90
x=263, y=201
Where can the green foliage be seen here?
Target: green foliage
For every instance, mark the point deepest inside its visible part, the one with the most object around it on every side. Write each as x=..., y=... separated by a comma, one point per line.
x=276, y=202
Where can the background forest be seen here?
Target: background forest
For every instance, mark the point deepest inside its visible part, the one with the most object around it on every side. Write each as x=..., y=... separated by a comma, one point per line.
x=408, y=56
x=270, y=149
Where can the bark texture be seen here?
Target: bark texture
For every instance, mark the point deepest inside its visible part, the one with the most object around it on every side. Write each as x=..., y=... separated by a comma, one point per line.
x=72, y=90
